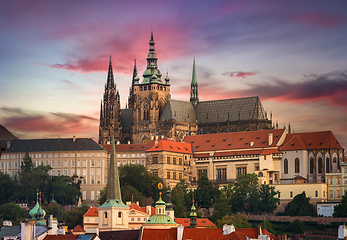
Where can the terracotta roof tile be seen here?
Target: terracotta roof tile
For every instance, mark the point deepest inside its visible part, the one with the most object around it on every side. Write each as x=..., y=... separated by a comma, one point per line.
x=92, y=212
x=150, y=234
x=78, y=228
x=203, y=233
x=249, y=232
x=237, y=153
x=152, y=210
x=136, y=207
x=133, y=147
x=201, y=222
x=310, y=140
x=266, y=232
x=235, y=236
x=269, y=151
x=171, y=146
x=61, y=237
x=234, y=140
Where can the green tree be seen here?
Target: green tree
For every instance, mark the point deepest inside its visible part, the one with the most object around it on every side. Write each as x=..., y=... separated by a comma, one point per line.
x=340, y=210
x=297, y=226
x=221, y=207
x=268, y=200
x=11, y=211
x=206, y=192
x=102, y=196
x=266, y=224
x=238, y=220
x=74, y=217
x=138, y=177
x=244, y=193
x=56, y=210
x=129, y=193
x=8, y=188
x=65, y=189
x=300, y=206
x=177, y=198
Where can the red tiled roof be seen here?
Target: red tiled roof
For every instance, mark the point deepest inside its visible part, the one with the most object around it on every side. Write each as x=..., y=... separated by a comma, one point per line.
x=310, y=140
x=171, y=146
x=78, y=228
x=203, y=233
x=200, y=155
x=133, y=147
x=269, y=151
x=249, y=232
x=150, y=234
x=61, y=237
x=266, y=232
x=152, y=210
x=201, y=222
x=136, y=207
x=234, y=140
x=92, y=212
x=235, y=236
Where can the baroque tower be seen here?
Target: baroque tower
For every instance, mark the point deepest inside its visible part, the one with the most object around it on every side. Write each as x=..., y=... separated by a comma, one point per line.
x=150, y=98
x=110, y=111
x=194, y=99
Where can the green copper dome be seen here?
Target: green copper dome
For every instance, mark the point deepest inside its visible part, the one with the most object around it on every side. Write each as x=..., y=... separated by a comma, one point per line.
x=193, y=211
x=160, y=202
x=160, y=219
x=34, y=210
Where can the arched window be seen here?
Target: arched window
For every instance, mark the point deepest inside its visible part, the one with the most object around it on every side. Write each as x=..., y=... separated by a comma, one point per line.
x=297, y=165
x=260, y=174
x=105, y=214
x=161, y=107
x=285, y=164
x=316, y=193
x=311, y=165
x=320, y=165
x=119, y=214
x=291, y=194
x=146, y=110
x=327, y=165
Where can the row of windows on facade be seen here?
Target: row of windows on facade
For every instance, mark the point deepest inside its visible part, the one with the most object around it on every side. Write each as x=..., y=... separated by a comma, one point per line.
x=124, y=155
x=222, y=172
x=174, y=175
x=52, y=155
x=228, y=157
x=320, y=165
x=80, y=163
x=145, y=88
x=168, y=160
x=138, y=219
x=92, y=195
x=291, y=194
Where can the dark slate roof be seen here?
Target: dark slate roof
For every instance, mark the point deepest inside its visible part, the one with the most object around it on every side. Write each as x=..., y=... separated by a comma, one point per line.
x=127, y=118
x=181, y=109
x=10, y=231
x=221, y=108
x=120, y=235
x=55, y=144
x=6, y=134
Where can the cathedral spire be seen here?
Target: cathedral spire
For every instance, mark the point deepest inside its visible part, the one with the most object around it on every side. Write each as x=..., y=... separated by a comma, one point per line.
x=110, y=79
x=113, y=186
x=194, y=99
x=131, y=90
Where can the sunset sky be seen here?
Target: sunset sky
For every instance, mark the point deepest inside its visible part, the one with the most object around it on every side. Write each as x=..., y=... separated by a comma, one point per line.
x=54, y=58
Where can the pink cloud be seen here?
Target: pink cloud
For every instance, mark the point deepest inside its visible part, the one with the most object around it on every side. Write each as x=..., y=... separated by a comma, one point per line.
x=240, y=74
x=319, y=20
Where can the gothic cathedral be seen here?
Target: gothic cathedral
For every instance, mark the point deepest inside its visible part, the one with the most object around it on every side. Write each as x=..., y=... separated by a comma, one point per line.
x=152, y=113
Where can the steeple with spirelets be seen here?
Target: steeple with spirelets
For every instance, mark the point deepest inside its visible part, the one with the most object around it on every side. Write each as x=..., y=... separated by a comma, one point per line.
x=193, y=215
x=131, y=90
x=194, y=99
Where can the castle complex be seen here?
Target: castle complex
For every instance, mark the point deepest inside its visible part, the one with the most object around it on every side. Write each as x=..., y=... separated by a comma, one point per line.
x=151, y=111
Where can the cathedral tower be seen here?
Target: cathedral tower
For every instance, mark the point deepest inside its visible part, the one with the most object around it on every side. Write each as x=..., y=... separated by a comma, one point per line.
x=110, y=111
x=194, y=99
x=149, y=98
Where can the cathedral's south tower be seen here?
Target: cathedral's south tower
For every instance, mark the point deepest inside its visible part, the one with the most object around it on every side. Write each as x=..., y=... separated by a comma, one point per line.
x=150, y=98
x=110, y=111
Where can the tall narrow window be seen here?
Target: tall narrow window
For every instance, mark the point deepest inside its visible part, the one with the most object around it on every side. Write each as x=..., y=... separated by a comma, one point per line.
x=285, y=166
x=320, y=165
x=311, y=165
x=327, y=165
x=297, y=165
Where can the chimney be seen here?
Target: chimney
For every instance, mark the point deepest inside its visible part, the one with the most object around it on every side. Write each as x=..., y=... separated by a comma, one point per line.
x=118, y=142
x=149, y=210
x=180, y=230
x=270, y=139
x=8, y=144
x=74, y=139
x=26, y=231
x=227, y=229
x=128, y=142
